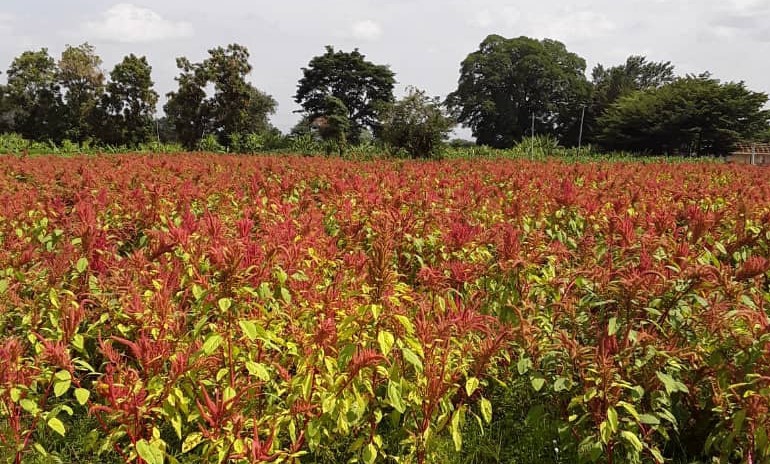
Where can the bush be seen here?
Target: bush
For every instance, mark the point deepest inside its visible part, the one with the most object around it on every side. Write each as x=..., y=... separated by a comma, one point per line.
x=210, y=144
x=417, y=124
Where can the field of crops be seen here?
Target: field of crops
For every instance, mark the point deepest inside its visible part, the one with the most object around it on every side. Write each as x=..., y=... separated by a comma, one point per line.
x=194, y=308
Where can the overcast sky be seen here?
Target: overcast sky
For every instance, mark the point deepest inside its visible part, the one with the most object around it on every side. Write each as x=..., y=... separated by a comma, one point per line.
x=422, y=40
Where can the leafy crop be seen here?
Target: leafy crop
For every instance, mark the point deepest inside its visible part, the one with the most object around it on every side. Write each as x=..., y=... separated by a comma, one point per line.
x=265, y=309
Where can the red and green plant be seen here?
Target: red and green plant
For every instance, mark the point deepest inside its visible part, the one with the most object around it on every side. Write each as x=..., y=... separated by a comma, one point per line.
x=263, y=309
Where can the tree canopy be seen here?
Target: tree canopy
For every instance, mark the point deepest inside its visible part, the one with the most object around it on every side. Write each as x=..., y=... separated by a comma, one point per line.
x=610, y=84
x=359, y=84
x=416, y=123
x=507, y=81
x=33, y=102
x=82, y=83
x=236, y=106
x=692, y=115
x=128, y=105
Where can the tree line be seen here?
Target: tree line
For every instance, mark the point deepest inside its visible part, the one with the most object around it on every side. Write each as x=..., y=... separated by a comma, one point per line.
x=508, y=89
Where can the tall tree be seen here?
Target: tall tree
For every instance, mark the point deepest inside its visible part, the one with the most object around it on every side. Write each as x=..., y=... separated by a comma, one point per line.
x=239, y=107
x=507, y=81
x=359, y=84
x=693, y=115
x=82, y=84
x=609, y=84
x=187, y=109
x=128, y=105
x=236, y=106
x=33, y=97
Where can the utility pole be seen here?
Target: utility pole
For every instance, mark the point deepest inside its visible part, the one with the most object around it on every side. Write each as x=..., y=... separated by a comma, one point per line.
x=532, y=139
x=580, y=137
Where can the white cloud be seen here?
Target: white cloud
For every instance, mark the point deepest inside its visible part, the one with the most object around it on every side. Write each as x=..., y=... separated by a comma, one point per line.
x=566, y=23
x=127, y=23
x=366, y=30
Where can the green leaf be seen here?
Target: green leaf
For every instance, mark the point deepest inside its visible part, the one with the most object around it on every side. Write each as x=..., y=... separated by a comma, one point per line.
x=370, y=454
x=63, y=375
x=211, y=344
x=605, y=432
x=53, y=297
x=3, y=286
x=405, y=323
x=286, y=295
x=561, y=384
x=613, y=326
x=249, y=329
x=455, y=427
x=412, y=358
x=649, y=419
x=29, y=406
x=657, y=455
x=224, y=304
x=149, y=452
x=60, y=387
x=81, y=265
x=471, y=385
x=612, y=418
x=486, y=410
x=632, y=440
x=670, y=384
x=82, y=395
x=538, y=383
x=191, y=441
x=197, y=292
x=56, y=425
x=524, y=365
x=346, y=354
x=394, y=396
x=386, y=341
x=258, y=370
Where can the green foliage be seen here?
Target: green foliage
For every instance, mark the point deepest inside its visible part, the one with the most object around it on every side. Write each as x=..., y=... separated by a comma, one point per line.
x=82, y=85
x=34, y=103
x=610, y=84
x=333, y=125
x=128, y=105
x=236, y=106
x=692, y=115
x=507, y=81
x=360, y=85
x=210, y=144
x=416, y=124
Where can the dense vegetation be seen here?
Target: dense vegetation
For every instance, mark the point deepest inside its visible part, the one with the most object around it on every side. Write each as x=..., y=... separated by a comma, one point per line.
x=508, y=90
x=205, y=308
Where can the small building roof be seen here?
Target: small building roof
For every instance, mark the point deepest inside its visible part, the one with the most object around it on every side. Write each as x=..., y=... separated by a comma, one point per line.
x=747, y=148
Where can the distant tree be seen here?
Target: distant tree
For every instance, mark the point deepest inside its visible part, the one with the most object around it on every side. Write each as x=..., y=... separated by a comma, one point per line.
x=359, y=84
x=693, y=115
x=128, y=105
x=82, y=84
x=334, y=125
x=506, y=81
x=6, y=122
x=187, y=109
x=417, y=124
x=33, y=103
x=236, y=106
x=609, y=84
